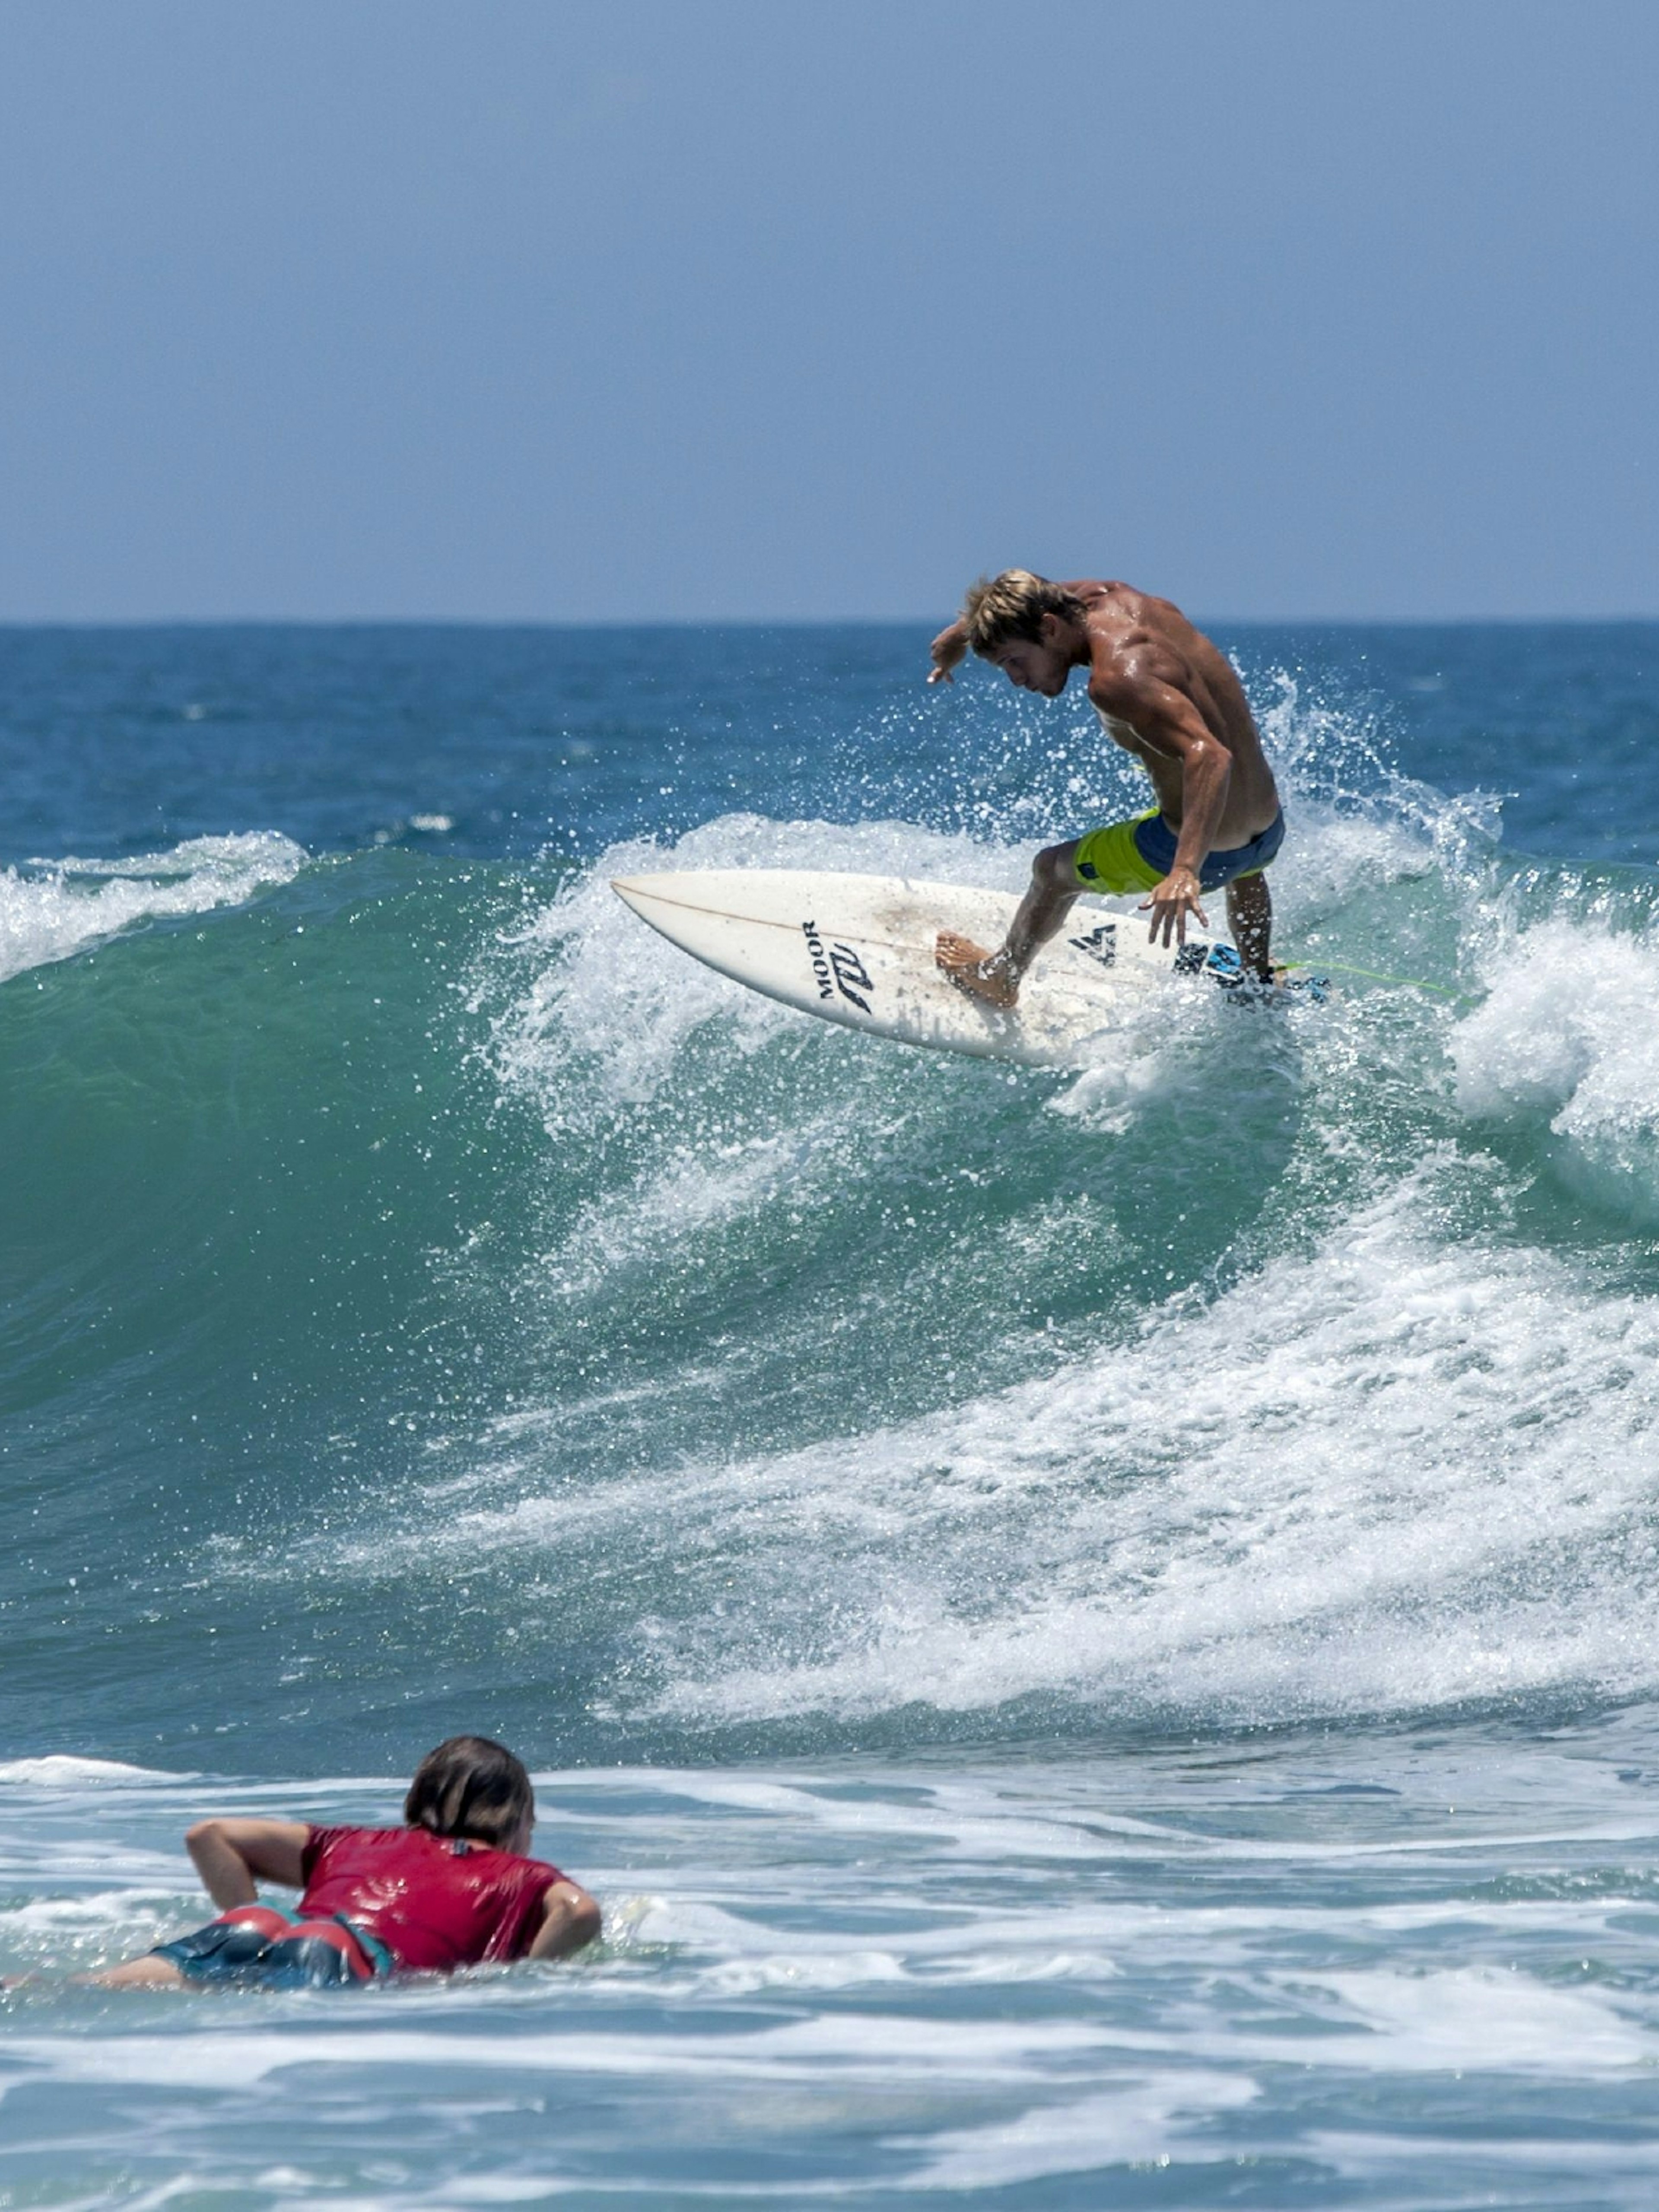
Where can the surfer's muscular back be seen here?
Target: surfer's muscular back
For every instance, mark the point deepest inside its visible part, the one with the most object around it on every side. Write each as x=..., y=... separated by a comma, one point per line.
x=1150, y=672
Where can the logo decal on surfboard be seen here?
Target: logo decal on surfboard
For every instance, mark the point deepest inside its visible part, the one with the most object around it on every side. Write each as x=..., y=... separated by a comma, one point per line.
x=840, y=969
x=1100, y=944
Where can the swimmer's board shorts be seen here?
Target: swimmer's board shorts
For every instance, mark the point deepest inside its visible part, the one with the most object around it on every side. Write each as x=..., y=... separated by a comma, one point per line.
x=1137, y=855
x=268, y=1946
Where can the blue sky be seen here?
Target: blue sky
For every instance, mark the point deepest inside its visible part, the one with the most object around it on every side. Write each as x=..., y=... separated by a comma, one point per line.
x=518, y=310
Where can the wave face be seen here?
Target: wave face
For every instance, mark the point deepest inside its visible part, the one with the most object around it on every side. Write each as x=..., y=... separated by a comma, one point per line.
x=430, y=1301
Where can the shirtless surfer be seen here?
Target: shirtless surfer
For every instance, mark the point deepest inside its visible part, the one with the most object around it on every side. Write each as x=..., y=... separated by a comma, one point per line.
x=1171, y=698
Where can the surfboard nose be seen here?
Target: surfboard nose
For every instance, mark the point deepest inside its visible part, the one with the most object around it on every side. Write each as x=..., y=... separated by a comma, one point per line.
x=665, y=885
x=640, y=895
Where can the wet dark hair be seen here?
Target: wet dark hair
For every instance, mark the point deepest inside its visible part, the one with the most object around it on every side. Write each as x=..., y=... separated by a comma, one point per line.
x=471, y=1786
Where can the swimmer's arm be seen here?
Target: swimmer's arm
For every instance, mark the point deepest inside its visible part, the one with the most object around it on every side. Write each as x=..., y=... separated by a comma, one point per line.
x=570, y=1919
x=230, y=1853
x=946, y=650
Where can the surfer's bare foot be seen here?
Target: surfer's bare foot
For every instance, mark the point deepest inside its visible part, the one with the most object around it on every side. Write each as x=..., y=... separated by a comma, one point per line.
x=969, y=967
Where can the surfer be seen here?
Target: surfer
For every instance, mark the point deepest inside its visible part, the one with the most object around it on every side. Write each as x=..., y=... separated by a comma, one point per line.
x=451, y=1888
x=1170, y=697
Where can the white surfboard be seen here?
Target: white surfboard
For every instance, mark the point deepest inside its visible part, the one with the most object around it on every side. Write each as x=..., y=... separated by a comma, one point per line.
x=858, y=950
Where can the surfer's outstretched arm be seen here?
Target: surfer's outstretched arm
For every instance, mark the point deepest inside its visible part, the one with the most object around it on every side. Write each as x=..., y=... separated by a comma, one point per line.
x=949, y=648
x=995, y=976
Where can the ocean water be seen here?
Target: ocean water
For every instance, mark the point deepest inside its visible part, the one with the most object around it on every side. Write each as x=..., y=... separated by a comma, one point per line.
x=1094, y=1633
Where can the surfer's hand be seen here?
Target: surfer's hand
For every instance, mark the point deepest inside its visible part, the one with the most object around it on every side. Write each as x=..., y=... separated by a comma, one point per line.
x=1171, y=903
x=946, y=651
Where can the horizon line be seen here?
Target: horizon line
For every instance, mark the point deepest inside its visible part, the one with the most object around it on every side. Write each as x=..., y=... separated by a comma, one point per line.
x=16, y=623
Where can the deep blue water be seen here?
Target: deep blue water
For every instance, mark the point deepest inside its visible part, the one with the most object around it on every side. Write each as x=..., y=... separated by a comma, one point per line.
x=1092, y=1632
x=125, y=741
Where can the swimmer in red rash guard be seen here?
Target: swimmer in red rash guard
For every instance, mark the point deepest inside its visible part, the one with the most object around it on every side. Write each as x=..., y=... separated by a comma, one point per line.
x=452, y=1888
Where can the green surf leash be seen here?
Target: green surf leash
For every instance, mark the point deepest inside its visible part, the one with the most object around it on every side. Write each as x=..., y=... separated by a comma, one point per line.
x=1374, y=975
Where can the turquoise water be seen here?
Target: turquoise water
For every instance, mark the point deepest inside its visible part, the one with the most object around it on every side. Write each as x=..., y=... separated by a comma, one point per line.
x=1092, y=1633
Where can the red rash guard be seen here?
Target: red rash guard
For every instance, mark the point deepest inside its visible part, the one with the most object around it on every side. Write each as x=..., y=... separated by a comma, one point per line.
x=436, y=1902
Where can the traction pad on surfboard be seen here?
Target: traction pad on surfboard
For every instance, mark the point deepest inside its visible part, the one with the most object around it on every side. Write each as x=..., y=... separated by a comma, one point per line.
x=1222, y=962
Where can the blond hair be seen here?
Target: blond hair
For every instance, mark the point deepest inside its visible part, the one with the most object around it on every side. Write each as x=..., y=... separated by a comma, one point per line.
x=998, y=609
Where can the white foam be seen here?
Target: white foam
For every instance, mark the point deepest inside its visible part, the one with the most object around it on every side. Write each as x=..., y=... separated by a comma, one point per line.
x=59, y=1770
x=1477, y=2019
x=1568, y=1034
x=55, y=909
x=1394, y=1471
x=96, y=1910
x=859, y=2046
x=1393, y=1474
x=1142, y=2120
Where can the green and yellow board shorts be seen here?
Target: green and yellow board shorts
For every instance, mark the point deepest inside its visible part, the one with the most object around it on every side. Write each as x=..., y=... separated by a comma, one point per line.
x=1135, y=856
